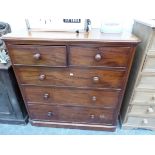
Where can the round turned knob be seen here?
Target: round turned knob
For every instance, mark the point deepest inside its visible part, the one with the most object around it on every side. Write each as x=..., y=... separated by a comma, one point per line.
x=145, y=121
x=49, y=114
x=98, y=57
x=95, y=79
x=46, y=96
x=42, y=77
x=94, y=98
x=150, y=110
x=37, y=56
x=92, y=116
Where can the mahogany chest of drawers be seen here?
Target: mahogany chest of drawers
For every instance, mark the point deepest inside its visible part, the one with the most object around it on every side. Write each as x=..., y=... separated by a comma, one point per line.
x=72, y=80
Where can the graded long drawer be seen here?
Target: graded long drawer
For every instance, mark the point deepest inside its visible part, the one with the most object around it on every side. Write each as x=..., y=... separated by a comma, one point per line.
x=143, y=98
x=38, y=55
x=149, y=65
x=99, y=56
x=71, y=77
x=66, y=96
x=145, y=111
x=70, y=114
x=146, y=81
x=140, y=121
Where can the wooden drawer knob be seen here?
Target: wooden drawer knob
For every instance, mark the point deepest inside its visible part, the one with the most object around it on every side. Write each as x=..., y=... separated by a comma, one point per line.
x=49, y=114
x=98, y=57
x=145, y=121
x=95, y=79
x=150, y=110
x=94, y=98
x=37, y=56
x=46, y=96
x=92, y=116
x=42, y=77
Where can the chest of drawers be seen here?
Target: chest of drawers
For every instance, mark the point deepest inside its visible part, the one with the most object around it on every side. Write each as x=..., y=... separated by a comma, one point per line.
x=72, y=80
x=138, y=110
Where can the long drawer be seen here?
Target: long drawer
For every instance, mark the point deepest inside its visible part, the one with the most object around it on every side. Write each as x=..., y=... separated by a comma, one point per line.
x=140, y=121
x=38, y=55
x=66, y=96
x=143, y=98
x=99, y=56
x=146, y=81
x=70, y=114
x=149, y=64
x=71, y=77
x=145, y=111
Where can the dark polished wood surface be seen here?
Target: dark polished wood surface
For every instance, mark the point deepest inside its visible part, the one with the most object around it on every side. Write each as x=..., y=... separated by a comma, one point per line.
x=76, y=77
x=77, y=97
x=38, y=55
x=99, y=56
x=72, y=80
x=71, y=114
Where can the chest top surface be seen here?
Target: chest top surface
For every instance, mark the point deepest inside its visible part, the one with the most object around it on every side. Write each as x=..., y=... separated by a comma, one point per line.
x=93, y=35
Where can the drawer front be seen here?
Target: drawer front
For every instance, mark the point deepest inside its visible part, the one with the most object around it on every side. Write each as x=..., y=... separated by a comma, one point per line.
x=149, y=64
x=38, y=55
x=71, y=77
x=152, y=43
x=146, y=82
x=147, y=111
x=143, y=98
x=70, y=114
x=65, y=96
x=99, y=56
x=140, y=121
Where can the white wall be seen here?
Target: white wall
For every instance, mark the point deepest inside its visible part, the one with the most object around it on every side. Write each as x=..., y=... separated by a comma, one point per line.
x=15, y=11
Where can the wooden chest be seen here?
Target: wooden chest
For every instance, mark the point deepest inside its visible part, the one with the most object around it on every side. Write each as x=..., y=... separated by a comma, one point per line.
x=138, y=110
x=72, y=80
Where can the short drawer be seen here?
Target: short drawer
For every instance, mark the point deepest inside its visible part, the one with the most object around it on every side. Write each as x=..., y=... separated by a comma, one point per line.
x=71, y=77
x=140, y=122
x=146, y=81
x=99, y=56
x=145, y=111
x=70, y=114
x=38, y=55
x=144, y=98
x=76, y=97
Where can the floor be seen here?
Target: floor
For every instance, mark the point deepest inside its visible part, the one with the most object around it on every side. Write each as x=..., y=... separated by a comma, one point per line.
x=32, y=130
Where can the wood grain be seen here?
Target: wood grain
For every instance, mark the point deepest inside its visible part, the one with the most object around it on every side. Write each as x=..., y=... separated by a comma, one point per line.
x=110, y=56
x=80, y=78
x=49, y=55
x=71, y=114
x=77, y=97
